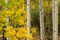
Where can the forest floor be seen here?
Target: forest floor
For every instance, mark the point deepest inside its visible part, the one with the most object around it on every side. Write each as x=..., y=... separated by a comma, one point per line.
x=37, y=37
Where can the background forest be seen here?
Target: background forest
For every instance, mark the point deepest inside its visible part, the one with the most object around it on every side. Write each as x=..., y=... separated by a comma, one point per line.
x=13, y=20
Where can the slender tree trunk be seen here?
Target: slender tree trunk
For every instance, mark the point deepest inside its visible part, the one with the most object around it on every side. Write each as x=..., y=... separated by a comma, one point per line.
x=55, y=19
x=28, y=18
x=41, y=9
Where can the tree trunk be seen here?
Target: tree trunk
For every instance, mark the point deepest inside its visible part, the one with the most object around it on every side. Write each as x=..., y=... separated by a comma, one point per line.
x=28, y=18
x=41, y=14
x=55, y=19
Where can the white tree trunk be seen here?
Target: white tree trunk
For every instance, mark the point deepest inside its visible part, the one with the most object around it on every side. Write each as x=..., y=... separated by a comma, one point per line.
x=55, y=19
x=28, y=18
x=41, y=14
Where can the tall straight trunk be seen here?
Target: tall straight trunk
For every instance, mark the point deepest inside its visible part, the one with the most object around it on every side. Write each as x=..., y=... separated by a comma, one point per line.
x=55, y=19
x=7, y=18
x=28, y=18
x=41, y=14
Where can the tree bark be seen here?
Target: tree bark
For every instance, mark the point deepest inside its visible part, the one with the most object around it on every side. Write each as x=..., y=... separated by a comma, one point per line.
x=41, y=14
x=55, y=19
x=28, y=18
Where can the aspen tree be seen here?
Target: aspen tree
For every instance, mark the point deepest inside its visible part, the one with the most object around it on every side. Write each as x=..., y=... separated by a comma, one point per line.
x=55, y=19
x=41, y=14
x=28, y=18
